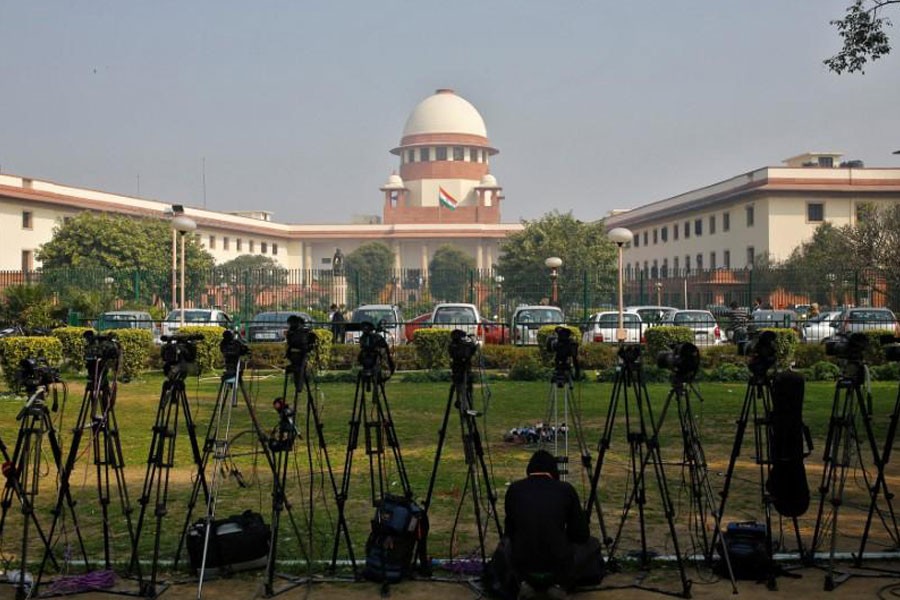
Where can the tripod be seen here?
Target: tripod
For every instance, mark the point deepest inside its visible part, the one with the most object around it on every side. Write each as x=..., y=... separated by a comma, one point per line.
x=478, y=475
x=98, y=416
x=758, y=403
x=843, y=447
x=22, y=473
x=561, y=396
x=641, y=430
x=371, y=413
x=179, y=354
x=694, y=461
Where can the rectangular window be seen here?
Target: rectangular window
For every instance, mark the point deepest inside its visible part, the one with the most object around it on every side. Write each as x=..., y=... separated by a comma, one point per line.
x=699, y=261
x=726, y=259
x=675, y=265
x=459, y=153
x=424, y=154
x=665, y=268
x=687, y=229
x=410, y=156
x=263, y=248
x=665, y=234
x=645, y=238
x=655, y=236
x=687, y=263
x=750, y=215
x=240, y=245
x=675, y=231
x=440, y=153
x=655, y=272
x=637, y=240
x=712, y=260
x=27, y=260
x=726, y=221
x=251, y=244
x=751, y=254
x=326, y=260
x=226, y=243
x=712, y=224
x=698, y=227
x=27, y=219
x=274, y=248
x=212, y=242
x=474, y=154
x=815, y=212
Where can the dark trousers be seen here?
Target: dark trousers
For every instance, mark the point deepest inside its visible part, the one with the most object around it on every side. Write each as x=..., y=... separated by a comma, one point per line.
x=502, y=578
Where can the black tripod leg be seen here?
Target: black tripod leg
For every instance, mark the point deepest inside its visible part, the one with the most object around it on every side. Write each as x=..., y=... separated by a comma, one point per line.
x=442, y=434
x=352, y=442
x=602, y=447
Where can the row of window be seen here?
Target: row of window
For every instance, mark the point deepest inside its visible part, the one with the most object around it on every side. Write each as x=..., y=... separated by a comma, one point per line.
x=239, y=245
x=438, y=153
x=654, y=269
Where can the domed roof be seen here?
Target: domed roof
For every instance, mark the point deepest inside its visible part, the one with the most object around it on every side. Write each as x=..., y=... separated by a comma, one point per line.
x=488, y=181
x=445, y=112
x=394, y=182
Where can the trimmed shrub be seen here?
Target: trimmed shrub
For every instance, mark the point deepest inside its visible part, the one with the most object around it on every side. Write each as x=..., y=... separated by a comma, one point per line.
x=598, y=356
x=405, y=358
x=267, y=355
x=874, y=354
x=136, y=347
x=823, y=371
x=786, y=342
x=713, y=357
x=72, y=340
x=807, y=355
x=528, y=367
x=321, y=359
x=886, y=372
x=14, y=349
x=431, y=348
x=343, y=356
x=664, y=337
x=727, y=372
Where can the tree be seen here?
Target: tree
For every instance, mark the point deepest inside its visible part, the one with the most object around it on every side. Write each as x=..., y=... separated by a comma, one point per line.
x=586, y=252
x=816, y=264
x=448, y=273
x=115, y=254
x=248, y=278
x=369, y=270
x=862, y=30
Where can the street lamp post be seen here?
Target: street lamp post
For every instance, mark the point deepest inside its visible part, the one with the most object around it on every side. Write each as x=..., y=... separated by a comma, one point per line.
x=554, y=263
x=182, y=225
x=620, y=236
x=499, y=281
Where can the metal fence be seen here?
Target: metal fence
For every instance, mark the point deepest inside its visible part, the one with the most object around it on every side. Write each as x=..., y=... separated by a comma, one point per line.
x=247, y=292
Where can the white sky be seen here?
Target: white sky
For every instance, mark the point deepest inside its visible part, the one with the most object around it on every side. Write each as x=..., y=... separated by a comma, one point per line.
x=293, y=105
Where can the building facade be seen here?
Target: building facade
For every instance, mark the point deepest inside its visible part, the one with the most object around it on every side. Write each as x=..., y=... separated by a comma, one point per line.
x=768, y=211
x=444, y=194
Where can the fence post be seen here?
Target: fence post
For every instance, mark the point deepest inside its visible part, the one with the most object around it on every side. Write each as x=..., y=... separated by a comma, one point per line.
x=641, y=287
x=584, y=296
x=856, y=288
x=750, y=287
x=471, y=286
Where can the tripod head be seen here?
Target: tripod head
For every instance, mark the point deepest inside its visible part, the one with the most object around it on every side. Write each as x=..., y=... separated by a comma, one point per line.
x=232, y=348
x=462, y=348
x=564, y=348
x=101, y=354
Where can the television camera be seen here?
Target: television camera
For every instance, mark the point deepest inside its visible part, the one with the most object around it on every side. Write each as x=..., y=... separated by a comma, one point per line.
x=179, y=354
x=760, y=350
x=564, y=349
x=232, y=348
x=34, y=373
x=848, y=346
x=300, y=340
x=682, y=359
x=462, y=348
x=374, y=350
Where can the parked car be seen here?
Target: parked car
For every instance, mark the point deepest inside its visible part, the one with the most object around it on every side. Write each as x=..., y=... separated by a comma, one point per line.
x=765, y=318
x=128, y=319
x=457, y=315
x=495, y=333
x=817, y=328
x=271, y=326
x=409, y=330
x=603, y=328
x=854, y=320
x=526, y=320
x=195, y=317
x=706, y=329
x=652, y=315
x=386, y=316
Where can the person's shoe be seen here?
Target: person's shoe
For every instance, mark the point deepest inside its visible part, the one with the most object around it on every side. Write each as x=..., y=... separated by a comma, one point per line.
x=526, y=592
x=555, y=592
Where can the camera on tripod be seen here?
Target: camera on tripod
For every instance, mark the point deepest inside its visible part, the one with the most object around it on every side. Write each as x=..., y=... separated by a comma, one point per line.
x=179, y=354
x=564, y=348
x=760, y=349
x=890, y=345
x=300, y=340
x=100, y=348
x=683, y=359
x=232, y=348
x=462, y=348
x=36, y=372
x=373, y=347
x=849, y=346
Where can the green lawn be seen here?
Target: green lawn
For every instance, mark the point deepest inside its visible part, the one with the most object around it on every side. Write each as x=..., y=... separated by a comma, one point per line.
x=417, y=409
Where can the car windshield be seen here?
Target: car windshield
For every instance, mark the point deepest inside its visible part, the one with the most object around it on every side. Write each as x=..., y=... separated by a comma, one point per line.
x=699, y=319
x=372, y=315
x=652, y=315
x=774, y=317
x=612, y=319
x=120, y=317
x=279, y=317
x=454, y=315
x=871, y=316
x=191, y=316
x=539, y=315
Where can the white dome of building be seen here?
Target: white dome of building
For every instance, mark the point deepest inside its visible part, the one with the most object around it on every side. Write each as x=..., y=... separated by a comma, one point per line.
x=394, y=182
x=488, y=181
x=445, y=112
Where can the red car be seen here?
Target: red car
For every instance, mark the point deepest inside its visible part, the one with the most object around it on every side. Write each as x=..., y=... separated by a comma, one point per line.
x=494, y=333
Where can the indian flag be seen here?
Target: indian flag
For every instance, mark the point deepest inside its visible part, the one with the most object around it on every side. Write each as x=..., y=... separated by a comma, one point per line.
x=446, y=199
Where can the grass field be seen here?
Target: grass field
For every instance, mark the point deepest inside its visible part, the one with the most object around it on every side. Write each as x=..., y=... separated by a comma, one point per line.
x=417, y=410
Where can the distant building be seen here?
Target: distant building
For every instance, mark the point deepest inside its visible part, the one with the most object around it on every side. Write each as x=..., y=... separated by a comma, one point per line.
x=444, y=194
x=771, y=211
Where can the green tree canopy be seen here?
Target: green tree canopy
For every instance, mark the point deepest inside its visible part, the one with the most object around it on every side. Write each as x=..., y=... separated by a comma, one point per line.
x=369, y=269
x=448, y=272
x=249, y=262
x=865, y=40
x=586, y=252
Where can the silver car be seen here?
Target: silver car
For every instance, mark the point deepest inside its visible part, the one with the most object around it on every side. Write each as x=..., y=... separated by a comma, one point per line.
x=854, y=320
x=702, y=322
x=603, y=328
x=817, y=328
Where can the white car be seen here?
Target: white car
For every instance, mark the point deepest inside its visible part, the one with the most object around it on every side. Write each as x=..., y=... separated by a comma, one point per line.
x=526, y=321
x=702, y=322
x=457, y=315
x=603, y=328
x=195, y=317
x=385, y=315
x=817, y=328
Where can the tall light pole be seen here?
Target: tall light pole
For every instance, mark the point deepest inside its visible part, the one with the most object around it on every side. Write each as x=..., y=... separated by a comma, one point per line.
x=620, y=236
x=182, y=225
x=554, y=263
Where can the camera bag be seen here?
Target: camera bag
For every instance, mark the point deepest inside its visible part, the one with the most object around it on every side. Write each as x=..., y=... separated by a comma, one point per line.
x=791, y=442
x=747, y=550
x=237, y=543
x=398, y=528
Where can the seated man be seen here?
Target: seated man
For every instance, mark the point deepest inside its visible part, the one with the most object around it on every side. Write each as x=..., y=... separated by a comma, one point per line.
x=548, y=544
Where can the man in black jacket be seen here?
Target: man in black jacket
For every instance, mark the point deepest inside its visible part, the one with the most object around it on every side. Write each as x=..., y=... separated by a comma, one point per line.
x=549, y=543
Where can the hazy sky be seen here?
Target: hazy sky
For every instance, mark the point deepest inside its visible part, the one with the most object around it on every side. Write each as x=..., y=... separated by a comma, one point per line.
x=294, y=105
